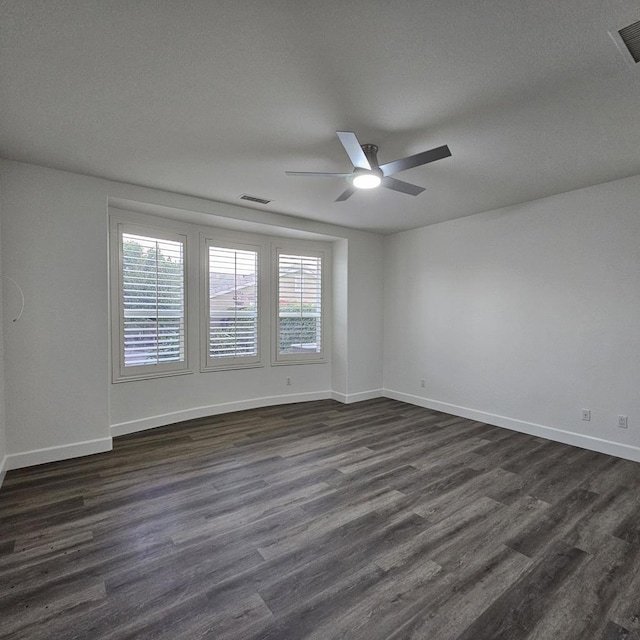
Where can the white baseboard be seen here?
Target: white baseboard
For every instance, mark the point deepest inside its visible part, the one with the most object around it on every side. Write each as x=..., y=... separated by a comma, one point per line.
x=133, y=426
x=348, y=398
x=60, y=452
x=620, y=450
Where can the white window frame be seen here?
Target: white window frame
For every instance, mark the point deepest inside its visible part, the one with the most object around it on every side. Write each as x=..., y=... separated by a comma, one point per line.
x=232, y=362
x=299, y=358
x=120, y=373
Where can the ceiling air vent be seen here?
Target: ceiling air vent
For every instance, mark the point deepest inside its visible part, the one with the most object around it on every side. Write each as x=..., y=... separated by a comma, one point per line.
x=631, y=37
x=627, y=40
x=244, y=196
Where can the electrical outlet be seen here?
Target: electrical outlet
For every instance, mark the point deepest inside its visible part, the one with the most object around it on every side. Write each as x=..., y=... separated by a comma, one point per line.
x=622, y=422
x=423, y=383
x=586, y=414
x=288, y=382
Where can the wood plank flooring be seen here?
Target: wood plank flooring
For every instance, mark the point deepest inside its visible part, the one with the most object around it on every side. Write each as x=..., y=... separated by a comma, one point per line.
x=377, y=520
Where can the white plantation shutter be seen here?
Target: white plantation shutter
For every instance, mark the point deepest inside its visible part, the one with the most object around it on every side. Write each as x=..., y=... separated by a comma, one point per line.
x=152, y=303
x=299, y=306
x=232, y=318
x=153, y=271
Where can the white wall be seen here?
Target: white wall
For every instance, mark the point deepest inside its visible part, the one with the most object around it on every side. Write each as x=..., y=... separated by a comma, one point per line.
x=522, y=317
x=59, y=398
x=54, y=246
x=358, y=299
x=366, y=278
x=3, y=429
x=340, y=340
x=519, y=317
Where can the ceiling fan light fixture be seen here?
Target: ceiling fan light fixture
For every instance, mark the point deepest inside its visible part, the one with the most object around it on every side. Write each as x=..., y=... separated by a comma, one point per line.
x=366, y=179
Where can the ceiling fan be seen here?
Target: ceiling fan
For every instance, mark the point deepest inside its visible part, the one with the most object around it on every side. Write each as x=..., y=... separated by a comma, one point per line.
x=368, y=174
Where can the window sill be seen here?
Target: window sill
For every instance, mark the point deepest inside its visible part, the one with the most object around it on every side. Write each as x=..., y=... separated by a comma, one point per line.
x=279, y=363
x=231, y=367
x=150, y=376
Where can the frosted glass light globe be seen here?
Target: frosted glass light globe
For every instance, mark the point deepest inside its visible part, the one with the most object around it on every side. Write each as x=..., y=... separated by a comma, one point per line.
x=366, y=181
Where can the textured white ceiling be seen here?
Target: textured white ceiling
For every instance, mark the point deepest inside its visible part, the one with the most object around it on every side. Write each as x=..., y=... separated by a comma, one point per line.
x=216, y=98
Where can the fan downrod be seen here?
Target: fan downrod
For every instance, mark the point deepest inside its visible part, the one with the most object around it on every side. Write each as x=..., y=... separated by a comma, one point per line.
x=371, y=153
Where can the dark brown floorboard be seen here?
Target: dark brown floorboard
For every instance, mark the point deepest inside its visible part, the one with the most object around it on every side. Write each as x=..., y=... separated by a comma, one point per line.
x=320, y=521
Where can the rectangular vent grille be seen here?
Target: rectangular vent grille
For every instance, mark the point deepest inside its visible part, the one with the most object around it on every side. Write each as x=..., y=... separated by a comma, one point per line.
x=631, y=37
x=244, y=196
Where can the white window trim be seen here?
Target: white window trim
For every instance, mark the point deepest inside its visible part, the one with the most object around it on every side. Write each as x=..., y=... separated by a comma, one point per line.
x=120, y=373
x=278, y=358
x=233, y=362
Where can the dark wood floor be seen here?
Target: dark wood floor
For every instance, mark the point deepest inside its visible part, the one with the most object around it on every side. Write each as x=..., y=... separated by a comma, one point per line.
x=378, y=520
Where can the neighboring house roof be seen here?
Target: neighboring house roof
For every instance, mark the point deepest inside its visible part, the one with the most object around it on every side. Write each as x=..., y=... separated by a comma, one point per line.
x=310, y=273
x=227, y=291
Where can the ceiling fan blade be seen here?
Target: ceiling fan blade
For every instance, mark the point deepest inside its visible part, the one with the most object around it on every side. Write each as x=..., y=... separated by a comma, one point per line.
x=353, y=149
x=404, y=187
x=316, y=174
x=389, y=168
x=346, y=194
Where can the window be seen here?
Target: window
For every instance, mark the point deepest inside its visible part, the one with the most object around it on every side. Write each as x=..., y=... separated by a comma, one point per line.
x=238, y=300
x=232, y=305
x=151, y=336
x=300, y=306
